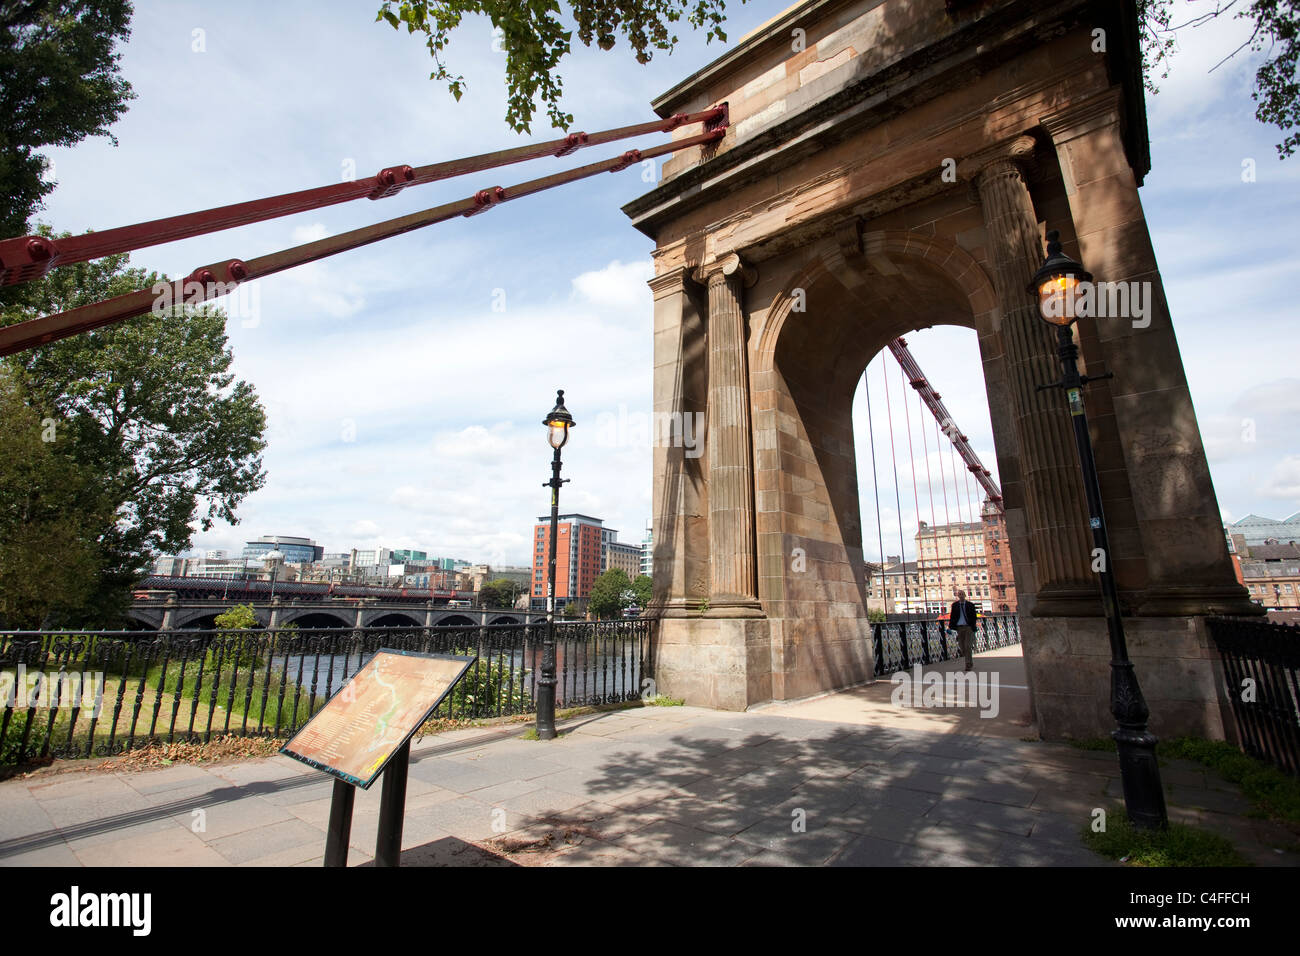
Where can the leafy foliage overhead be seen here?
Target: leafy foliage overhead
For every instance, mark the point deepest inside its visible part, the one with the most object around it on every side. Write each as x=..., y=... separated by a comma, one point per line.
x=535, y=37
x=59, y=83
x=1276, y=33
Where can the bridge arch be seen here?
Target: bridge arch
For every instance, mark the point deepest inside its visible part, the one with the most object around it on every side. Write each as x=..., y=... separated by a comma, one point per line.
x=906, y=181
x=826, y=314
x=314, y=617
x=391, y=618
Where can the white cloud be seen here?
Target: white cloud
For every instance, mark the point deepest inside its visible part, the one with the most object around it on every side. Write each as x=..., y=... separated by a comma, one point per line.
x=1283, y=481
x=618, y=287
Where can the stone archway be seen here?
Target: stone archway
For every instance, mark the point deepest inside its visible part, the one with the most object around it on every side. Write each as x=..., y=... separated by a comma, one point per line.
x=898, y=170
x=810, y=341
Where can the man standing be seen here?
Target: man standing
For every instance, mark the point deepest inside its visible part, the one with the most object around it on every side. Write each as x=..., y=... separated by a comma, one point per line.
x=962, y=618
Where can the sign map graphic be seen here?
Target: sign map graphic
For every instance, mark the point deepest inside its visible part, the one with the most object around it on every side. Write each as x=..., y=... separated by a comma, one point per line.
x=360, y=728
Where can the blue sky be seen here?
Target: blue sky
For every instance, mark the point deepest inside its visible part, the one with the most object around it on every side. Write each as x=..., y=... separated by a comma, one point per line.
x=404, y=409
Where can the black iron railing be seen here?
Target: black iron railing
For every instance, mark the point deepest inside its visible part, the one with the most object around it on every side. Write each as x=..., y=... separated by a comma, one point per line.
x=1261, y=663
x=899, y=645
x=82, y=694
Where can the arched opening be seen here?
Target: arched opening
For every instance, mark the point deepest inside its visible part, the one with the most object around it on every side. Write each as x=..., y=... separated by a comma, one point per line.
x=394, y=620
x=503, y=620
x=929, y=527
x=820, y=329
x=319, y=619
x=455, y=620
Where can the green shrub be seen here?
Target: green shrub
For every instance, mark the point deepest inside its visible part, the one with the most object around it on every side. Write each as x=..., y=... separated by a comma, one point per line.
x=1179, y=845
x=486, y=688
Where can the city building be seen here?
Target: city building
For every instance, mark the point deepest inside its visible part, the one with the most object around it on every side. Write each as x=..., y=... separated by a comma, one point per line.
x=1254, y=529
x=648, y=551
x=585, y=549
x=951, y=557
x=295, y=550
x=1270, y=573
x=405, y=556
x=997, y=559
x=376, y=558
x=895, y=588
x=971, y=556
x=624, y=556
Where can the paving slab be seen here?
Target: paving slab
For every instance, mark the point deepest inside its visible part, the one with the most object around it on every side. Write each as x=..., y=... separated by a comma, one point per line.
x=823, y=782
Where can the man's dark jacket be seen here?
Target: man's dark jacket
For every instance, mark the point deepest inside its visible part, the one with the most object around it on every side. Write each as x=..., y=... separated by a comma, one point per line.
x=972, y=614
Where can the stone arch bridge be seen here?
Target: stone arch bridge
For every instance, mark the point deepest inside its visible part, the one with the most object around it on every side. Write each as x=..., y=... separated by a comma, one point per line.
x=181, y=613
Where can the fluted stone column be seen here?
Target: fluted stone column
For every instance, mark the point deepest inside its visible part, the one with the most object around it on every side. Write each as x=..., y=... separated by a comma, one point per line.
x=1054, y=501
x=680, y=492
x=731, y=470
x=1188, y=569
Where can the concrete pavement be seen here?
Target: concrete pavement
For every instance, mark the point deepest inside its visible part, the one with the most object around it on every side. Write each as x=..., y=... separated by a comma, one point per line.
x=846, y=779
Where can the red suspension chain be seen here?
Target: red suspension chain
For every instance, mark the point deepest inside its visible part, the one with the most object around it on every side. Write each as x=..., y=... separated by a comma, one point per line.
x=29, y=257
x=220, y=278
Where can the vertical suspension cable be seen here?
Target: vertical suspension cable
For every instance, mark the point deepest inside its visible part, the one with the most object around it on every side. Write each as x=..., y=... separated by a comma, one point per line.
x=956, y=488
x=875, y=486
x=943, y=484
x=898, y=502
x=916, y=498
x=929, y=482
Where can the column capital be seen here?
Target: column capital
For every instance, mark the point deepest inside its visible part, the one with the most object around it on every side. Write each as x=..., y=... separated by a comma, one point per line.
x=727, y=267
x=1017, y=153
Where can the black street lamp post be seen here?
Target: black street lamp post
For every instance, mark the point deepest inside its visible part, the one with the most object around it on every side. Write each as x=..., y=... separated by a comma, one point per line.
x=557, y=423
x=1056, y=284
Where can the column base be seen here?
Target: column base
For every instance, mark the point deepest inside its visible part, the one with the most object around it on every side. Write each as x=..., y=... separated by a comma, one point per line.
x=723, y=663
x=1174, y=601
x=733, y=606
x=1068, y=601
x=1067, y=662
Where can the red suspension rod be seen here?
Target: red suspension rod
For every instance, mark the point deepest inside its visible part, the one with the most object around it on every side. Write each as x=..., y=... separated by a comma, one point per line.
x=933, y=401
x=220, y=278
x=29, y=257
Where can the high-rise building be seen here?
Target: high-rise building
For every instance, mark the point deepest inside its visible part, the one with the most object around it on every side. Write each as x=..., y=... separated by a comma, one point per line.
x=372, y=558
x=648, y=551
x=295, y=550
x=585, y=549
x=579, y=557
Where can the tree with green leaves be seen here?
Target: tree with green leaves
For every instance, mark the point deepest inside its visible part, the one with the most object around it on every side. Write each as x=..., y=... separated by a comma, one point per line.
x=499, y=593
x=151, y=414
x=51, y=513
x=535, y=36
x=1276, y=29
x=61, y=84
x=643, y=589
x=241, y=617
x=610, y=593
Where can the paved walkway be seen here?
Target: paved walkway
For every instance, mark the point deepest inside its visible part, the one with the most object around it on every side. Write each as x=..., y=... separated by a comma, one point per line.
x=845, y=779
